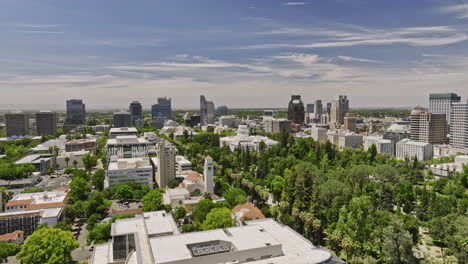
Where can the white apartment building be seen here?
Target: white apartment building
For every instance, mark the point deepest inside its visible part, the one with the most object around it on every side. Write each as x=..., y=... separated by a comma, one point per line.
x=125, y=147
x=122, y=131
x=408, y=148
x=137, y=170
x=319, y=134
x=153, y=238
x=350, y=140
x=459, y=128
x=228, y=121
x=382, y=145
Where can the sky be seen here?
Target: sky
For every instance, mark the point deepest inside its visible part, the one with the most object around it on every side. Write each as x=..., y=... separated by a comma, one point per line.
x=240, y=53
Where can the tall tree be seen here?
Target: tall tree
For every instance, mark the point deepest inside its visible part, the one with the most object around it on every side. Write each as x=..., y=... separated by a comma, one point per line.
x=48, y=246
x=218, y=218
x=397, y=245
x=153, y=201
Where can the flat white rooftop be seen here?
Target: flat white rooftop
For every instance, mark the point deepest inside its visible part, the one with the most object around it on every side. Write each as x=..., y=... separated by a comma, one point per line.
x=123, y=130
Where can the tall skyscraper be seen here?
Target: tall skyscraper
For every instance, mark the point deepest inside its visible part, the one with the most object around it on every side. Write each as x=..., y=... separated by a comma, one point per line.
x=339, y=108
x=76, y=112
x=162, y=110
x=350, y=123
x=329, y=108
x=296, y=109
x=428, y=127
x=166, y=163
x=136, y=110
x=17, y=124
x=459, y=127
x=441, y=103
x=208, y=173
x=122, y=119
x=46, y=123
x=206, y=111
x=318, y=107
x=310, y=108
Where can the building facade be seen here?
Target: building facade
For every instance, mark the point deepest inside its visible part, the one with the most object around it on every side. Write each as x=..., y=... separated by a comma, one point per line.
x=441, y=103
x=382, y=145
x=136, y=111
x=296, y=111
x=125, y=147
x=166, y=168
x=124, y=171
x=122, y=119
x=338, y=110
x=46, y=123
x=206, y=111
x=318, y=108
x=76, y=112
x=208, y=174
x=459, y=128
x=408, y=148
x=17, y=124
x=428, y=127
x=162, y=110
x=275, y=126
x=319, y=134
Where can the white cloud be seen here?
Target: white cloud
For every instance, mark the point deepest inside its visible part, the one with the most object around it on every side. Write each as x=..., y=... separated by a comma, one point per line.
x=294, y=3
x=348, y=58
x=460, y=10
x=39, y=32
x=360, y=36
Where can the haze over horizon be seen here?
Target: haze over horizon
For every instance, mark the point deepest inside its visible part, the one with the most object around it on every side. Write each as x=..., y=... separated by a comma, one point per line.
x=245, y=53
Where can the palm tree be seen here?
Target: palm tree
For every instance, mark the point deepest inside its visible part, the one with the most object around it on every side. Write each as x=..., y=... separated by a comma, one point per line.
x=67, y=159
x=75, y=163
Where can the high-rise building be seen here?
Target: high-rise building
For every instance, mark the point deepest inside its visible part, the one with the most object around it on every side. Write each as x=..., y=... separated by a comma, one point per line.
x=296, y=109
x=318, y=107
x=136, y=110
x=46, y=123
x=208, y=173
x=125, y=147
x=76, y=112
x=459, y=127
x=222, y=110
x=441, y=103
x=339, y=109
x=166, y=170
x=122, y=119
x=17, y=124
x=428, y=127
x=350, y=123
x=162, y=110
x=328, y=108
x=277, y=125
x=206, y=111
x=310, y=108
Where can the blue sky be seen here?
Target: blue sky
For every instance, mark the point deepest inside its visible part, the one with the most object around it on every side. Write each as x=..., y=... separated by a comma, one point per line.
x=240, y=53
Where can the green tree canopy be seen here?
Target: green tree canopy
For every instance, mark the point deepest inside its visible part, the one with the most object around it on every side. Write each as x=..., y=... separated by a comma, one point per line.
x=218, y=218
x=235, y=196
x=397, y=245
x=153, y=201
x=48, y=246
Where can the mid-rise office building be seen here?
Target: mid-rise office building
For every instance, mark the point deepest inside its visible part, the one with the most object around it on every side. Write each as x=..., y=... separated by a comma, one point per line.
x=275, y=126
x=81, y=144
x=76, y=112
x=228, y=121
x=459, y=128
x=319, y=134
x=136, y=111
x=338, y=110
x=42, y=162
x=350, y=123
x=310, y=108
x=162, y=110
x=441, y=103
x=269, y=114
x=122, y=131
x=125, y=147
x=123, y=171
x=296, y=111
x=27, y=221
x=382, y=145
x=206, y=111
x=350, y=140
x=166, y=169
x=17, y=124
x=428, y=127
x=122, y=119
x=183, y=164
x=46, y=123
x=408, y=148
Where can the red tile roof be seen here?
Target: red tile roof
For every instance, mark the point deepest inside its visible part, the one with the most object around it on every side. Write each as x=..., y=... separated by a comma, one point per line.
x=45, y=206
x=10, y=236
x=19, y=202
x=249, y=211
x=193, y=176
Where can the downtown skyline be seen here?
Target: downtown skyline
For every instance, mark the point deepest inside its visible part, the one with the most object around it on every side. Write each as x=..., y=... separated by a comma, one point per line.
x=244, y=54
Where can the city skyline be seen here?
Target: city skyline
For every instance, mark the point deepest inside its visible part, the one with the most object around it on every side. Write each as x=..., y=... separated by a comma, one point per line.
x=242, y=54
